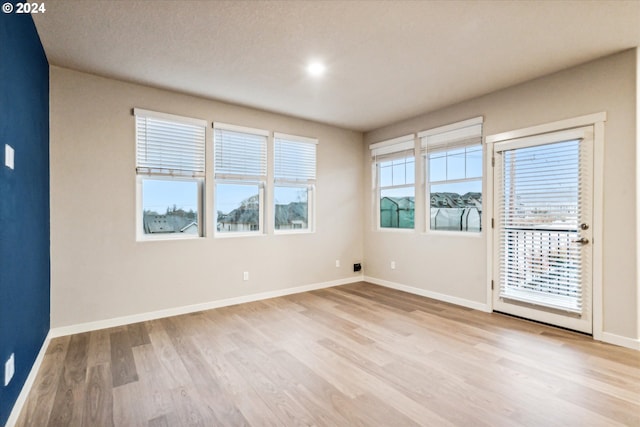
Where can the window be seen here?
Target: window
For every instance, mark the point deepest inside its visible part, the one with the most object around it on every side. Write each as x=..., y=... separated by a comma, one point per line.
x=170, y=173
x=394, y=186
x=294, y=185
x=453, y=164
x=240, y=167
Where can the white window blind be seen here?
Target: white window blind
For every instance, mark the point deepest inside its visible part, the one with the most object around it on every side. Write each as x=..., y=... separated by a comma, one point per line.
x=453, y=136
x=239, y=153
x=295, y=159
x=541, y=193
x=169, y=145
x=392, y=149
x=394, y=162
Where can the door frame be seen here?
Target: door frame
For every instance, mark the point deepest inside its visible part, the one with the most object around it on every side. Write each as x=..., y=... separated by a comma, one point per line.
x=597, y=120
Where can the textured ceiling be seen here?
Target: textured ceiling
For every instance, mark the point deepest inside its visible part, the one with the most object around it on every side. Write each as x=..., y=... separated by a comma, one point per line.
x=387, y=60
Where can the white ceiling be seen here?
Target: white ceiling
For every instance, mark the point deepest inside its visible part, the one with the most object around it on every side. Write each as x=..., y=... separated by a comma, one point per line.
x=387, y=60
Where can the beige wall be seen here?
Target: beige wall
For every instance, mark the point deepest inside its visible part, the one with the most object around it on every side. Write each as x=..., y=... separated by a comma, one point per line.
x=456, y=266
x=99, y=271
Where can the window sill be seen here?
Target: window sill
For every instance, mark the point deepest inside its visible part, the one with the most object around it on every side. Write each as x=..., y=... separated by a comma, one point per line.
x=167, y=238
x=469, y=234
x=285, y=232
x=395, y=230
x=231, y=235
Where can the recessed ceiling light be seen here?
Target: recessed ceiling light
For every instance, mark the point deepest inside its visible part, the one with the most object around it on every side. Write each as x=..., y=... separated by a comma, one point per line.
x=316, y=69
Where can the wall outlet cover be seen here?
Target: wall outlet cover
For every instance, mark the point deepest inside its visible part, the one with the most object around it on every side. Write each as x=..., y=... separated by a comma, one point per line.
x=9, y=156
x=9, y=369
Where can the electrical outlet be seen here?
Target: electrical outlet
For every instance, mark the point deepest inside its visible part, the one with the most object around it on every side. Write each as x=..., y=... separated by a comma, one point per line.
x=393, y=265
x=9, y=369
x=357, y=267
x=337, y=263
x=245, y=276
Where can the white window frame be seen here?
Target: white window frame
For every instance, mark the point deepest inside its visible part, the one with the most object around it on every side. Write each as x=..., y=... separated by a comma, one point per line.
x=403, y=146
x=147, y=172
x=445, y=138
x=308, y=182
x=240, y=179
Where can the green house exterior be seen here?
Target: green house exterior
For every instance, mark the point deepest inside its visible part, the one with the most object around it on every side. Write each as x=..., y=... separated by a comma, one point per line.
x=397, y=212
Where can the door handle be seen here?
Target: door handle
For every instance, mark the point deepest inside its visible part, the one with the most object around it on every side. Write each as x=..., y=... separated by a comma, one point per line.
x=582, y=241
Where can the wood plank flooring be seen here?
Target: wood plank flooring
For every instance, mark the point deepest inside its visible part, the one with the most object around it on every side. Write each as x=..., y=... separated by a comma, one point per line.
x=354, y=355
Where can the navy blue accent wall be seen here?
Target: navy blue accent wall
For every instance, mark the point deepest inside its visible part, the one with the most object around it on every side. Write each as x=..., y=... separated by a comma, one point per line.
x=24, y=201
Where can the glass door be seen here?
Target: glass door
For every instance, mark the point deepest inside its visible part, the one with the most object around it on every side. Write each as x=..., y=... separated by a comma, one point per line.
x=543, y=206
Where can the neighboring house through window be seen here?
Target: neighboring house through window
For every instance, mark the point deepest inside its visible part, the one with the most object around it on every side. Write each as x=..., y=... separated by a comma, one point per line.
x=170, y=169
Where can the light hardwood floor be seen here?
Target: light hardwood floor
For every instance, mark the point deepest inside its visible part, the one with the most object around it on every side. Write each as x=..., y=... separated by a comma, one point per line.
x=351, y=355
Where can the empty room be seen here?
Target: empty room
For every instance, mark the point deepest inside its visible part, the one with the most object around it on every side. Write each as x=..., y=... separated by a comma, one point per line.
x=328, y=213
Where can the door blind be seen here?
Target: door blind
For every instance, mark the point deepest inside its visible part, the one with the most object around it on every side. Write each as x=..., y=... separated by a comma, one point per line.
x=169, y=147
x=542, y=191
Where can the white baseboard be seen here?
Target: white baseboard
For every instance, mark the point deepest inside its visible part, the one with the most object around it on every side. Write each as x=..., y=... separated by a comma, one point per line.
x=176, y=311
x=26, y=387
x=430, y=294
x=632, y=343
